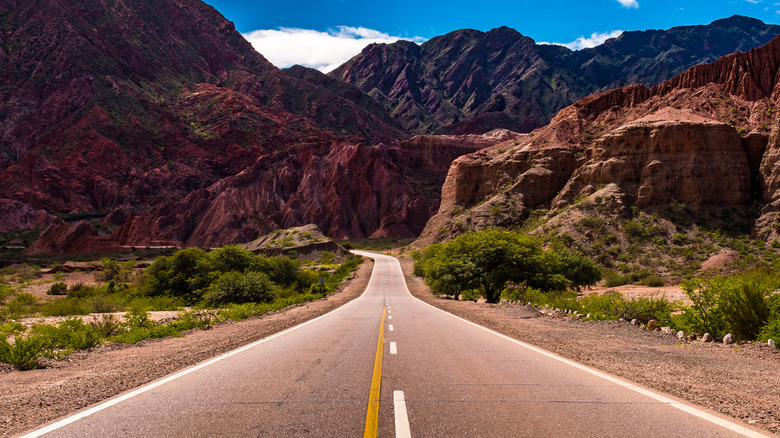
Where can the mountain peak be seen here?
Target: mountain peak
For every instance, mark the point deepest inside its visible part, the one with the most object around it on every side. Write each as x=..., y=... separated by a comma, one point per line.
x=739, y=21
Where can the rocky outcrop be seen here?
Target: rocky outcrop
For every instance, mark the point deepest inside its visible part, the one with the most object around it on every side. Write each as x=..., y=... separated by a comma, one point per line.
x=79, y=238
x=705, y=140
x=306, y=242
x=15, y=215
x=471, y=82
x=667, y=156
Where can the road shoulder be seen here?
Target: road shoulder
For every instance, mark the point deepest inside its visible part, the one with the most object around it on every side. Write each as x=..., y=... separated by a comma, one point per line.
x=32, y=398
x=740, y=382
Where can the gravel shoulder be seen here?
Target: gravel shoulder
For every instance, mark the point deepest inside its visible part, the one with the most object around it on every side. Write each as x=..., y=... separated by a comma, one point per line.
x=739, y=381
x=32, y=398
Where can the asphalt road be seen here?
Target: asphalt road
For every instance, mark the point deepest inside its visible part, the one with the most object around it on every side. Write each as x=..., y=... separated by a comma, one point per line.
x=440, y=377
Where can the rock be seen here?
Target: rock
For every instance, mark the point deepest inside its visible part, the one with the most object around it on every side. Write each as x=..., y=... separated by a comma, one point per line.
x=728, y=339
x=63, y=238
x=634, y=322
x=18, y=215
x=681, y=335
x=652, y=325
x=771, y=344
x=587, y=316
x=707, y=338
x=667, y=330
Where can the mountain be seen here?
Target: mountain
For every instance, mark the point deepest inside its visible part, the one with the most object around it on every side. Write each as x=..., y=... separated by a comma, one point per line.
x=469, y=81
x=639, y=171
x=152, y=108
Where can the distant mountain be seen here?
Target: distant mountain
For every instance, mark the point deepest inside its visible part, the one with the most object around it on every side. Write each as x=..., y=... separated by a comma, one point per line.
x=469, y=81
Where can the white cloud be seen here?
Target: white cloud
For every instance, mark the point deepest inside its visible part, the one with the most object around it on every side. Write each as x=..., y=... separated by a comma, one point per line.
x=324, y=51
x=629, y=3
x=592, y=41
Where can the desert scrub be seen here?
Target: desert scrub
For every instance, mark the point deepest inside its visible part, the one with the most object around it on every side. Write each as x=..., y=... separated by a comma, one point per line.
x=745, y=305
x=23, y=352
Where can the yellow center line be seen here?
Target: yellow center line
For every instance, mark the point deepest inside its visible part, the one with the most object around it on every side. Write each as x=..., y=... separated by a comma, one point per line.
x=372, y=415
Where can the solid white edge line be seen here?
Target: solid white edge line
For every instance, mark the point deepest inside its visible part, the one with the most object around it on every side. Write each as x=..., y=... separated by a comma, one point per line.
x=393, y=348
x=730, y=425
x=402, y=429
x=149, y=386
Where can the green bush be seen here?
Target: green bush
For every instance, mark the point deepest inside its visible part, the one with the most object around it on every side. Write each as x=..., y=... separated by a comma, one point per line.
x=23, y=352
x=652, y=281
x=770, y=330
x=485, y=261
x=742, y=304
x=58, y=289
x=235, y=287
x=23, y=304
x=68, y=335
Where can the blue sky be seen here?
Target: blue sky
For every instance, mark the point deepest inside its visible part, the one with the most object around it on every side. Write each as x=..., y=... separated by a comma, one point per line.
x=324, y=33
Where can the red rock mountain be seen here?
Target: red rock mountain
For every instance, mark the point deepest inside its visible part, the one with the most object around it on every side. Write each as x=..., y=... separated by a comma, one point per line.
x=159, y=116
x=469, y=81
x=161, y=110
x=706, y=140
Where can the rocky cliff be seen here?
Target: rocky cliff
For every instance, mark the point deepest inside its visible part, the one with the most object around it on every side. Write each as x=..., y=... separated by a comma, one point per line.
x=704, y=141
x=472, y=82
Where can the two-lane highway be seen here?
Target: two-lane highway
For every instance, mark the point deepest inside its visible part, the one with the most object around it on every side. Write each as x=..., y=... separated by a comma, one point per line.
x=440, y=377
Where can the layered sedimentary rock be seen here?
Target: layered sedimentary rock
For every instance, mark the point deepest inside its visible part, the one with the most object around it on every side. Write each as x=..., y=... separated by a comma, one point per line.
x=706, y=139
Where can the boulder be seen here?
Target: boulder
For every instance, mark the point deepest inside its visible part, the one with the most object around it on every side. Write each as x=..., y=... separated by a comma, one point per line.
x=707, y=338
x=728, y=339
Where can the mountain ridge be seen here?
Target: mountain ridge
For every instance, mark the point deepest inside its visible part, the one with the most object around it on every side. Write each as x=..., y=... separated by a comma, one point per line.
x=470, y=81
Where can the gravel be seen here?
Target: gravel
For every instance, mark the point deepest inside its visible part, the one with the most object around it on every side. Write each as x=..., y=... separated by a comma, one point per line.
x=33, y=398
x=739, y=381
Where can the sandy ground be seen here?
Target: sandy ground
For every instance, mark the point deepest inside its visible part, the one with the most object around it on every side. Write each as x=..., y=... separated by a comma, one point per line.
x=32, y=398
x=740, y=381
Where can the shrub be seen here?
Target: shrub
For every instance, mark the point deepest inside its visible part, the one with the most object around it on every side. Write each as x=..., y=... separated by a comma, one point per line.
x=58, y=289
x=23, y=352
x=646, y=308
x=235, y=287
x=770, y=330
x=68, y=335
x=114, y=271
x=652, y=281
x=24, y=303
x=741, y=304
x=107, y=325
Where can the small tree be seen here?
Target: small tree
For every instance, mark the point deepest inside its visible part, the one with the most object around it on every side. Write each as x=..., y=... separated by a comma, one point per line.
x=487, y=260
